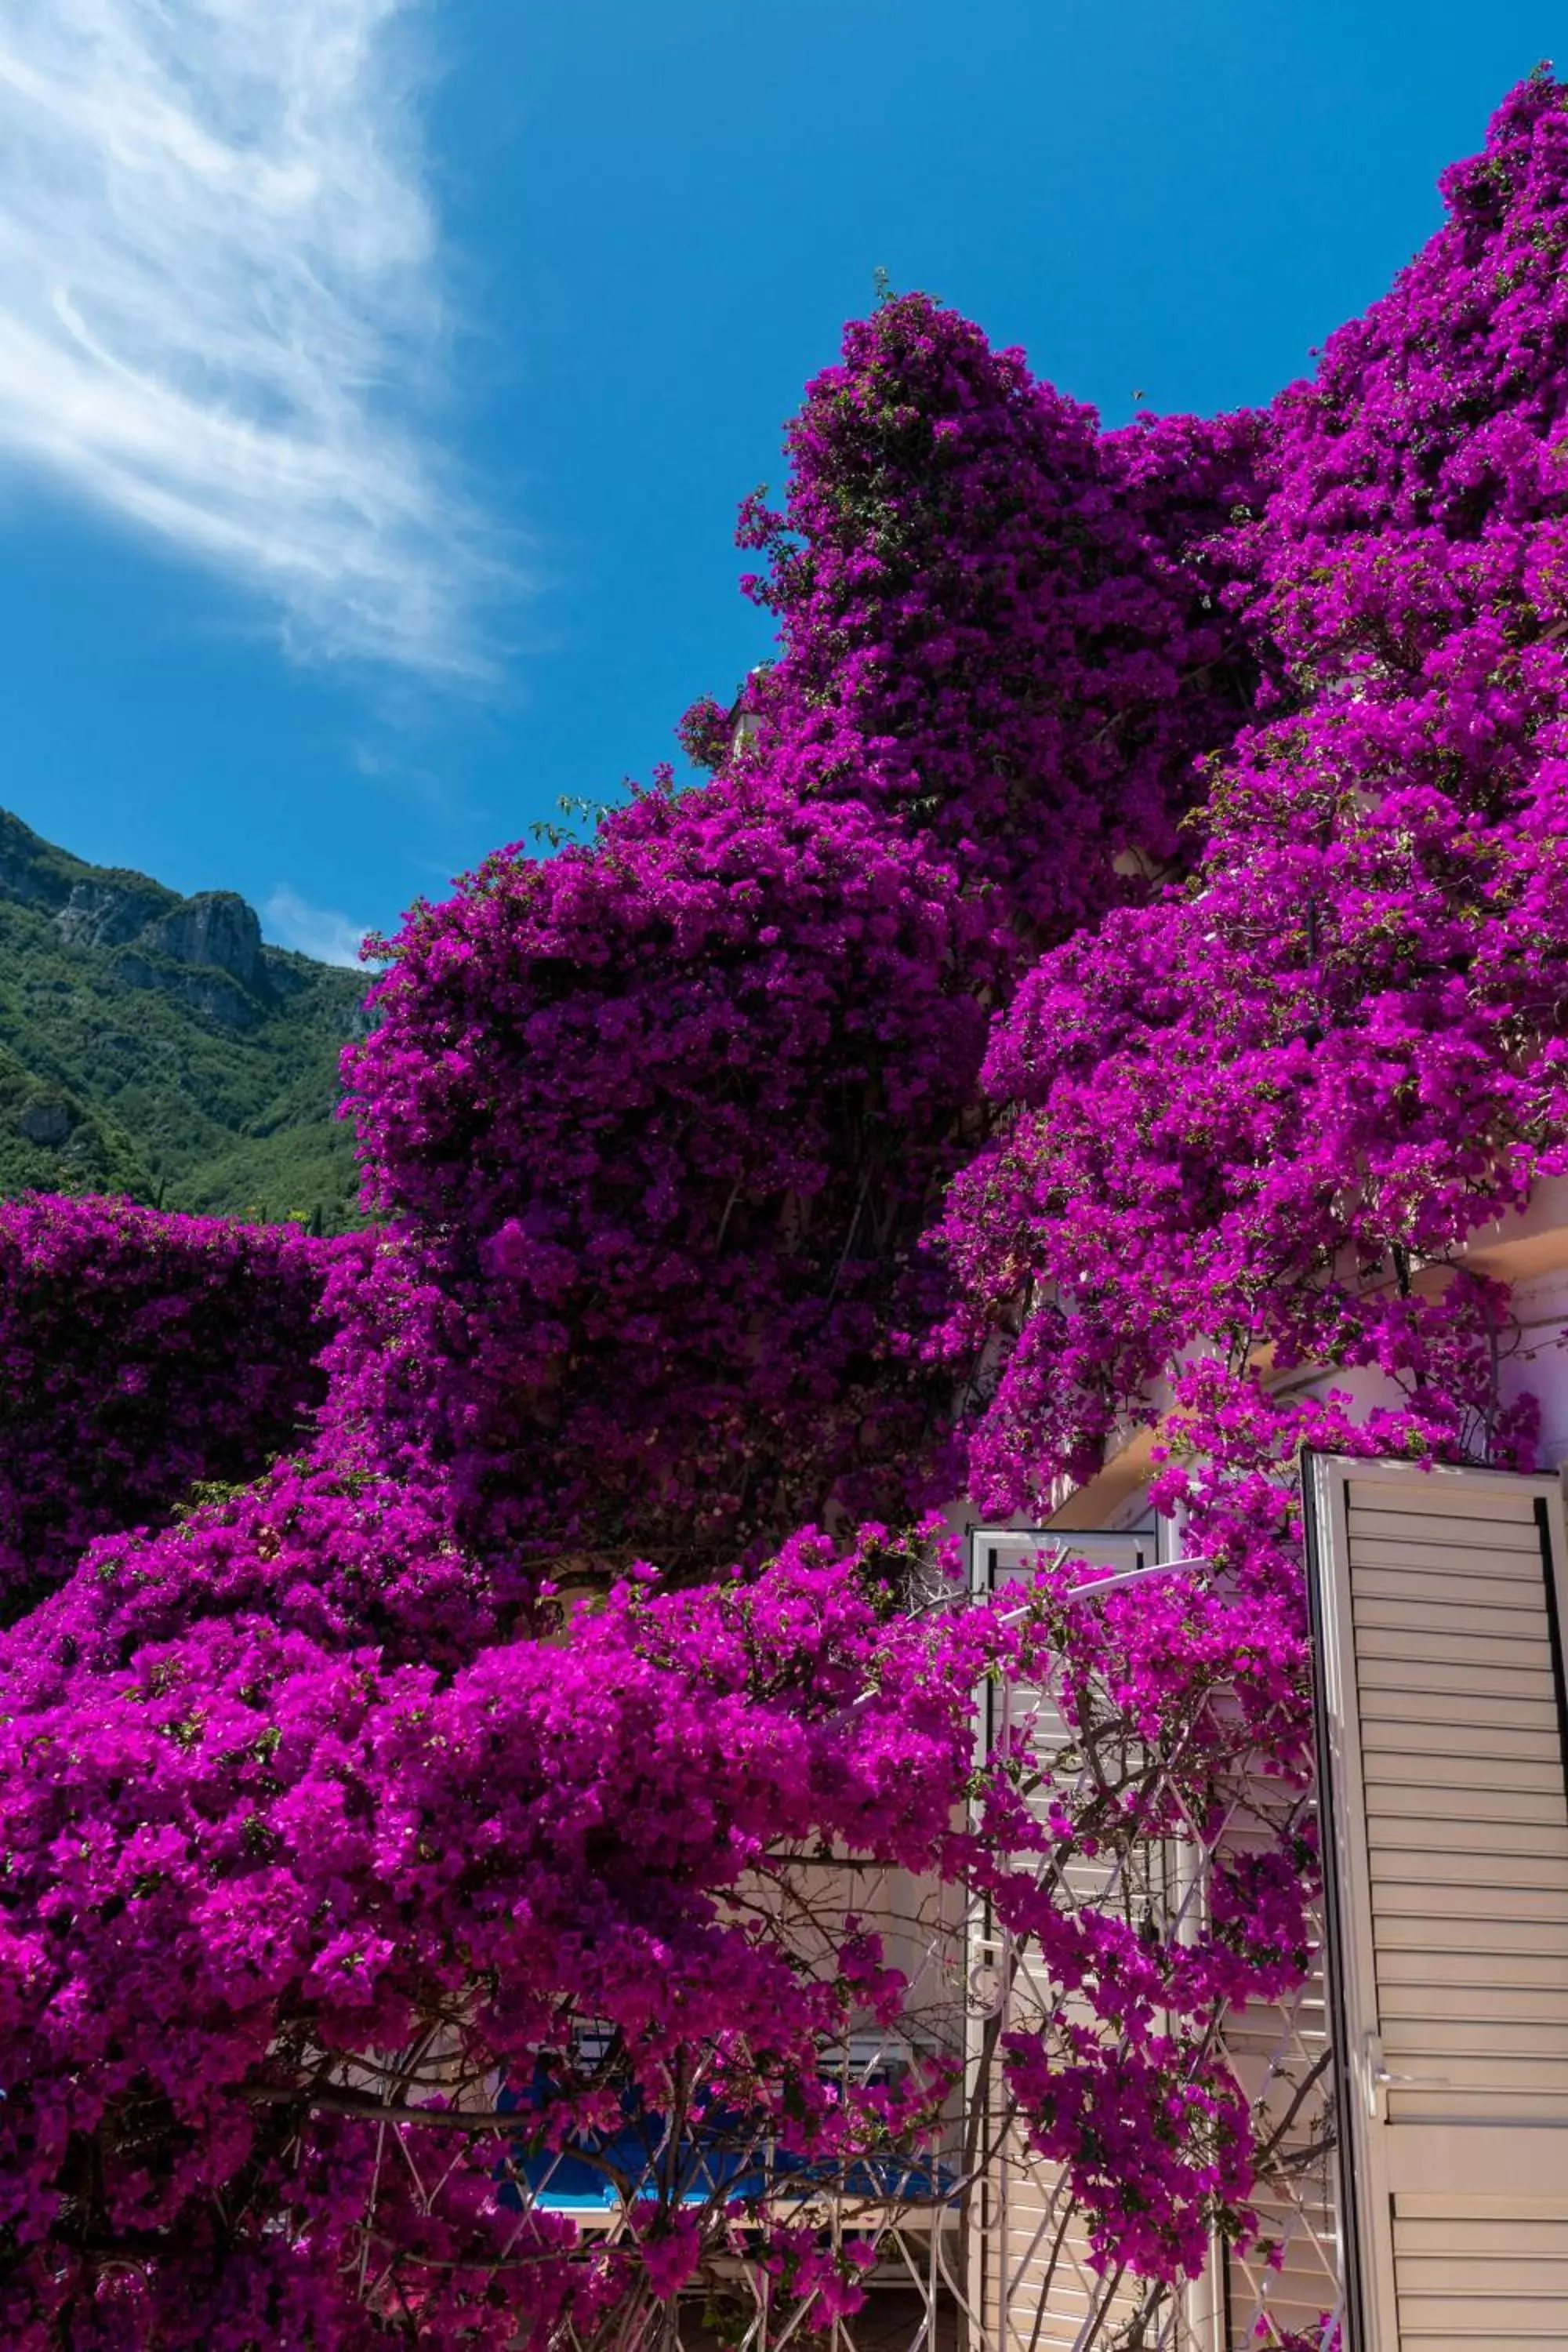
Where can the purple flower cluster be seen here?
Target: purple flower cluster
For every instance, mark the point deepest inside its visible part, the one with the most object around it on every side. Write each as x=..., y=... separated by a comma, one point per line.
x=142, y=1353
x=998, y=624
x=657, y=1125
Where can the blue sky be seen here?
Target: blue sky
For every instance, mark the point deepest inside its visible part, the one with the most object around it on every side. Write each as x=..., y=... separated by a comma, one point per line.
x=378, y=383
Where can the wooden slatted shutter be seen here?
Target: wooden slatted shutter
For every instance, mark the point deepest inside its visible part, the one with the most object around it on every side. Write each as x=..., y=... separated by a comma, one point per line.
x=1439, y=1601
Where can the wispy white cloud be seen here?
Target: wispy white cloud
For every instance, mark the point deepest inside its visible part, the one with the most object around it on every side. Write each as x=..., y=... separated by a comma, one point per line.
x=220, y=313
x=319, y=931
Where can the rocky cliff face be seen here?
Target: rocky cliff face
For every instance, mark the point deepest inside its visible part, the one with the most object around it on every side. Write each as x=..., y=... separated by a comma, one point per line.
x=156, y=1045
x=94, y=905
x=217, y=929
x=205, y=951
x=106, y=914
x=204, y=990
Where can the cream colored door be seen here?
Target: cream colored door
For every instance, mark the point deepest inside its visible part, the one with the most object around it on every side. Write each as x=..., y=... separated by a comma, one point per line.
x=1439, y=1599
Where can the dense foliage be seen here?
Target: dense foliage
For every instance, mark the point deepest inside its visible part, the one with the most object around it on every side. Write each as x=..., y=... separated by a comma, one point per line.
x=325, y=1795
x=652, y=1123
x=142, y=1353
x=1246, y=1113
x=659, y=1122
x=354, y=1880
x=132, y=1061
x=1003, y=627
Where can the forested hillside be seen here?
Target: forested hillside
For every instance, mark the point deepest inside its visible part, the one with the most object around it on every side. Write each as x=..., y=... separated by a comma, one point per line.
x=154, y=1045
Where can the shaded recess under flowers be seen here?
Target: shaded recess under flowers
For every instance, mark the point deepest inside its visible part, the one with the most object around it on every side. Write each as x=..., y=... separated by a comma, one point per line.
x=310, y=1811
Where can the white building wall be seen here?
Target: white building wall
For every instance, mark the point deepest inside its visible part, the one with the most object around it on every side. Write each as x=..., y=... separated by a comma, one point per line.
x=1540, y=1361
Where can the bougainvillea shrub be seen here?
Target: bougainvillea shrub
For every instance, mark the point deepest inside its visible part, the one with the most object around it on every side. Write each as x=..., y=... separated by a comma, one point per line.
x=653, y=1121
x=140, y=1353
x=282, y=1870
x=1243, y=1115
x=996, y=623
x=1245, y=1129
x=354, y=1880
x=658, y=1122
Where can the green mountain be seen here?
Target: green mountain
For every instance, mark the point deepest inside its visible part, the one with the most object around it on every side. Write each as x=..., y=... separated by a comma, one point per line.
x=154, y=1045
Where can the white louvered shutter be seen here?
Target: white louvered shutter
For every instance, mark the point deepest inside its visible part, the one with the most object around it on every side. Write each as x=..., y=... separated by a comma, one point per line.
x=1438, y=1604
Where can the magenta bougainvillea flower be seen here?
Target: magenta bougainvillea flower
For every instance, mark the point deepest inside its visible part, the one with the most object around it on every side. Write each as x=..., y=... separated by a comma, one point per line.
x=141, y=1353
